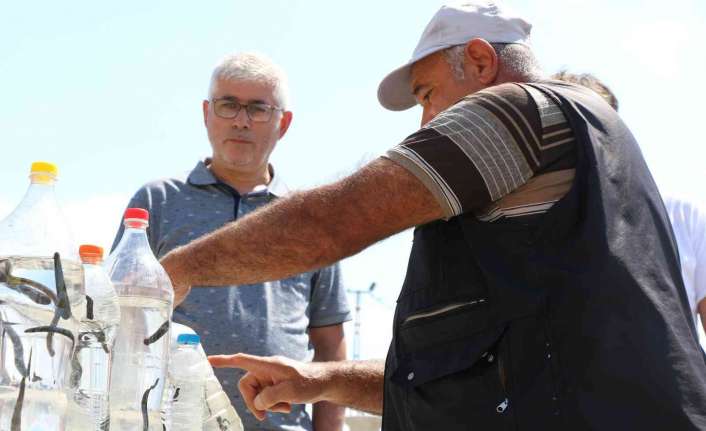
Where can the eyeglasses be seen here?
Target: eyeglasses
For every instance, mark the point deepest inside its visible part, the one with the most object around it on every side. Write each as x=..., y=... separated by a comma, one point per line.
x=230, y=108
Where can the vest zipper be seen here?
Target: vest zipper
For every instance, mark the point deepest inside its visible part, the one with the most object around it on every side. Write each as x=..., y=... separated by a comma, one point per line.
x=442, y=310
x=502, y=376
x=502, y=406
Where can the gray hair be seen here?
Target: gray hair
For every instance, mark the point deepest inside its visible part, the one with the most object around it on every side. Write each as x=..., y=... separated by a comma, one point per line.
x=253, y=67
x=589, y=81
x=515, y=60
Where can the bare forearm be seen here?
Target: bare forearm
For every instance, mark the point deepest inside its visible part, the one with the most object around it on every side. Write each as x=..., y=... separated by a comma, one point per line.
x=286, y=232
x=328, y=416
x=307, y=230
x=356, y=384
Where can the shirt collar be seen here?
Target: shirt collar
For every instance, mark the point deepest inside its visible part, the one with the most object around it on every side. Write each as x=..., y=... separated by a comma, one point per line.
x=202, y=176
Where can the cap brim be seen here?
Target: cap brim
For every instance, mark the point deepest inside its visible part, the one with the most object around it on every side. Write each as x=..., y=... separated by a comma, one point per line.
x=395, y=92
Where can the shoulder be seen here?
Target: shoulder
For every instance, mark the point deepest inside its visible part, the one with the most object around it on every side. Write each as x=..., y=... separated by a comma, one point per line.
x=506, y=94
x=506, y=104
x=157, y=193
x=511, y=90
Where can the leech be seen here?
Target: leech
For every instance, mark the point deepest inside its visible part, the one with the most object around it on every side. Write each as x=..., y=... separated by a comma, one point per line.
x=89, y=307
x=63, y=302
x=17, y=347
x=16, y=423
x=50, y=334
x=76, y=370
x=53, y=329
x=100, y=337
x=19, y=285
x=145, y=417
x=35, y=291
x=158, y=334
x=63, y=308
x=223, y=423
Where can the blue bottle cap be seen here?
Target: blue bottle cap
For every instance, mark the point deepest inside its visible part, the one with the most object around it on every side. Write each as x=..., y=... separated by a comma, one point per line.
x=188, y=339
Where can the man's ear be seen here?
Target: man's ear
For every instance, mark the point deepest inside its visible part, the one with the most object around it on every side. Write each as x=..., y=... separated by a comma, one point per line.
x=284, y=123
x=481, y=61
x=205, y=106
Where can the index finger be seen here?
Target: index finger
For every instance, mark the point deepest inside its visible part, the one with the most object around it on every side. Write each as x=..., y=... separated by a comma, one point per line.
x=256, y=364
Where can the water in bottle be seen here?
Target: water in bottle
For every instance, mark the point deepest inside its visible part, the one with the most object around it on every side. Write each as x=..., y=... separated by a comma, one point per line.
x=219, y=414
x=188, y=372
x=41, y=296
x=89, y=407
x=142, y=344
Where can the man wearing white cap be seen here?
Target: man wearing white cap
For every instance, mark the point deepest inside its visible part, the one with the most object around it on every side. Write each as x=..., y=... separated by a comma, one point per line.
x=543, y=288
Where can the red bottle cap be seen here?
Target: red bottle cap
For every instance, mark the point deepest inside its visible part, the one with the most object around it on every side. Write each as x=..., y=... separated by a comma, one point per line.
x=137, y=214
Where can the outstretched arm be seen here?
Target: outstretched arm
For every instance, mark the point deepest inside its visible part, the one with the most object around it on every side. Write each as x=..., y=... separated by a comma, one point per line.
x=275, y=383
x=306, y=230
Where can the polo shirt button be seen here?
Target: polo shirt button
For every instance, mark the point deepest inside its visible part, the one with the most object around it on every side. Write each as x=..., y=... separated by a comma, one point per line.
x=410, y=376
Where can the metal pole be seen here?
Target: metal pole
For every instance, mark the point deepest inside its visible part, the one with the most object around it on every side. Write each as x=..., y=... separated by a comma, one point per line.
x=357, y=321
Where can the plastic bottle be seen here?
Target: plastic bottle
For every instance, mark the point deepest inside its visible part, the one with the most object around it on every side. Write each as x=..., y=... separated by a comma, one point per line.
x=219, y=414
x=142, y=345
x=90, y=407
x=187, y=385
x=41, y=292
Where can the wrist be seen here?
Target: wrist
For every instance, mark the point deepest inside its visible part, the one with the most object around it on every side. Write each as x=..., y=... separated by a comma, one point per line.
x=328, y=380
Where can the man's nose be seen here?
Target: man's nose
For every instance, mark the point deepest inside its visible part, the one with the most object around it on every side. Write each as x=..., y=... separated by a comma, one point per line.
x=242, y=120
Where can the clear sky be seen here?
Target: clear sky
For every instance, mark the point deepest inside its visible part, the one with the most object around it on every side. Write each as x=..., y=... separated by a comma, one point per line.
x=112, y=92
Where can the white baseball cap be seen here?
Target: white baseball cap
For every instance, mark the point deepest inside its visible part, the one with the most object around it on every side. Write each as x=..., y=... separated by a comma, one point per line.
x=454, y=24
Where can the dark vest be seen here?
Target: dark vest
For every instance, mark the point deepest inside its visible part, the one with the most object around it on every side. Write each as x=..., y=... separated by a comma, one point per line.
x=575, y=320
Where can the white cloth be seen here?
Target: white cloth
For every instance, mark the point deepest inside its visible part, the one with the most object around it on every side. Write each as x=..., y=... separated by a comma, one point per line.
x=689, y=224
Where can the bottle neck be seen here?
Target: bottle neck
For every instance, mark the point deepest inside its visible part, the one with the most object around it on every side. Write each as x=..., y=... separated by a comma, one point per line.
x=39, y=190
x=42, y=178
x=133, y=223
x=187, y=346
x=90, y=260
x=135, y=233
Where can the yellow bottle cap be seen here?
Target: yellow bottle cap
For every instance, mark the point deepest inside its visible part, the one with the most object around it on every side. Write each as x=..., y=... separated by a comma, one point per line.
x=45, y=167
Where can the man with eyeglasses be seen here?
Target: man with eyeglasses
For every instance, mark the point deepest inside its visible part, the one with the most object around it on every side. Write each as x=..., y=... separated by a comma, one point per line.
x=245, y=116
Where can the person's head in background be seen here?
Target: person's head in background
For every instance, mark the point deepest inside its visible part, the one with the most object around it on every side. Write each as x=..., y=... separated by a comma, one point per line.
x=246, y=114
x=589, y=81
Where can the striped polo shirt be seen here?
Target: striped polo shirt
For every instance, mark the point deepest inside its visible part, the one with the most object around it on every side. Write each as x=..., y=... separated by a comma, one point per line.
x=504, y=152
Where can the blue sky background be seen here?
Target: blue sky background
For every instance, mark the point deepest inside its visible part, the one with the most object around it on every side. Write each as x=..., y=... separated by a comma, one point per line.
x=112, y=92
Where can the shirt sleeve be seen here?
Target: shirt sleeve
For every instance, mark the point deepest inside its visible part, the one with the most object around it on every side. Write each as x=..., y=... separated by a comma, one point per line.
x=329, y=303
x=483, y=148
x=698, y=237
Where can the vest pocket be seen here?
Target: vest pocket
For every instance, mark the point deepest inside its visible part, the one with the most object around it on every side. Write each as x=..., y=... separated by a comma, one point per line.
x=448, y=375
